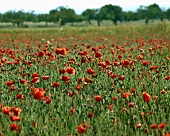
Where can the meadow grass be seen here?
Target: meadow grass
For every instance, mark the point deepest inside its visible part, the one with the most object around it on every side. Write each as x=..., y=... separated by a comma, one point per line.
x=118, y=80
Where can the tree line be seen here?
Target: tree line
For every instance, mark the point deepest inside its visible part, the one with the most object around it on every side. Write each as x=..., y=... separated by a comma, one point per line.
x=63, y=15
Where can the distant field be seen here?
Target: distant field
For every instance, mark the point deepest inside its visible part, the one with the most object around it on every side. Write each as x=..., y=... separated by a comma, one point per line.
x=95, y=81
x=80, y=24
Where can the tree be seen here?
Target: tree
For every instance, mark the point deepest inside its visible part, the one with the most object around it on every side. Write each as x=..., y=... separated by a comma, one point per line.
x=43, y=17
x=167, y=14
x=130, y=16
x=14, y=17
x=62, y=15
x=111, y=12
x=154, y=12
x=31, y=17
x=89, y=14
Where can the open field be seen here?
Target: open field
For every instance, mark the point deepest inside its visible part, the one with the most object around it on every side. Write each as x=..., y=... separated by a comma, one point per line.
x=94, y=81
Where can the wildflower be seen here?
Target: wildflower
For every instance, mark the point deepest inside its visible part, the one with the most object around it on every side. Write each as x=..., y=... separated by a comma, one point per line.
x=16, y=110
x=146, y=97
x=9, y=83
x=144, y=63
x=41, y=54
x=98, y=98
x=138, y=125
x=161, y=126
x=14, y=126
x=153, y=126
x=19, y=96
x=45, y=77
x=72, y=110
x=6, y=110
x=14, y=118
x=91, y=114
x=47, y=100
x=153, y=67
x=65, y=78
x=23, y=81
x=115, y=98
x=55, y=84
x=81, y=129
x=70, y=70
x=90, y=71
x=35, y=75
x=98, y=54
x=125, y=95
x=39, y=93
x=110, y=107
x=131, y=104
x=121, y=77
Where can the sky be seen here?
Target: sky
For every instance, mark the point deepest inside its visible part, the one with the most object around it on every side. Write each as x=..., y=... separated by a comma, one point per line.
x=44, y=6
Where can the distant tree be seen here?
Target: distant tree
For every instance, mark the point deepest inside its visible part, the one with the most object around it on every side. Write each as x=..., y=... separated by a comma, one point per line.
x=111, y=12
x=89, y=14
x=62, y=15
x=130, y=16
x=142, y=12
x=1, y=17
x=31, y=17
x=43, y=18
x=14, y=17
x=154, y=12
x=167, y=14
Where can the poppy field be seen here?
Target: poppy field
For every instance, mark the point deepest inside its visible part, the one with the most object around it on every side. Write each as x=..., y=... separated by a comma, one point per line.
x=92, y=81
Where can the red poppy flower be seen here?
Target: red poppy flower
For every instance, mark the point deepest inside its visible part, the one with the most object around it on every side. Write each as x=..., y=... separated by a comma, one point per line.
x=14, y=126
x=6, y=110
x=161, y=126
x=47, y=100
x=56, y=84
x=19, y=96
x=35, y=80
x=65, y=78
x=115, y=98
x=153, y=126
x=125, y=95
x=70, y=70
x=131, y=104
x=98, y=98
x=41, y=54
x=72, y=110
x=153, y=67
x=39, y=93
x=81, y=129
x=167, y=78
x=16, y=110
x=144, y=63
x=98, y=54
x=61, y=51
x=88, y=80
x=113, y=75
x=146, y=97
x=138, y=125
x=23, y=81
x=35, y=75
x=110, y=107
x=14, y=118
x=90, y=71
x=9, y=83
x=90, y=115
x=122, y=77
x=45, y=77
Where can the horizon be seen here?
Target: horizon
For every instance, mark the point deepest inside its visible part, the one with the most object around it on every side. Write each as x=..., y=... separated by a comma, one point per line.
x=45, y=6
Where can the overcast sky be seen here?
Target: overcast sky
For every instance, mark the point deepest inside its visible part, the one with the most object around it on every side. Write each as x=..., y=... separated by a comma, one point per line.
x=44, y=6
